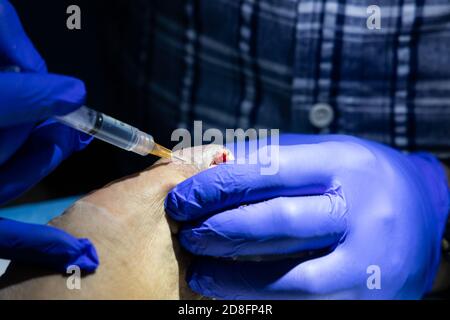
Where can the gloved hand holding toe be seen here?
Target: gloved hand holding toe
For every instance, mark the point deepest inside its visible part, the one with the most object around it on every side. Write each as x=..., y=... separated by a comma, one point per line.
x=369, y=209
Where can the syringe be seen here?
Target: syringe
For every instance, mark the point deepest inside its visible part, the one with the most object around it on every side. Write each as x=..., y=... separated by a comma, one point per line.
x=110, y=130
x=115, y=132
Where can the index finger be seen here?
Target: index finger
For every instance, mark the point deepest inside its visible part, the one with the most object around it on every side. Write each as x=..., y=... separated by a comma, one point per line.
x=303, y=170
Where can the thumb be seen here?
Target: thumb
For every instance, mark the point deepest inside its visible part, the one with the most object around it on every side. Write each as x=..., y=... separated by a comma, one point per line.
x=45, y=246
x=26, y=97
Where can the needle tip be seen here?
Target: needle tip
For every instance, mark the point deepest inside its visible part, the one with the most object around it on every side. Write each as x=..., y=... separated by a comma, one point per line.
x=178, y=157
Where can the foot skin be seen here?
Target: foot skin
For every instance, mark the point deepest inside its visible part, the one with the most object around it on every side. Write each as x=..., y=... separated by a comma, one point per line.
x=139, y=255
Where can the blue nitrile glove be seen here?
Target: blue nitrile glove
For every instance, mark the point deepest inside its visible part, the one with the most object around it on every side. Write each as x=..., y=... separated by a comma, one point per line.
x=29, y=148
x=377, y=214
x=45, y=246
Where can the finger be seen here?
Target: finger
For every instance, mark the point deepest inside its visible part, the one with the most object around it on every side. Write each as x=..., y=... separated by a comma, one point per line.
x=301, y=170
x=242, y=149
x=295, y=138
x=48, y=145
x=328, y=277
x=11, y=140
x=273, y=227
x=15, y=46
x=45, y=246
x=26, y=98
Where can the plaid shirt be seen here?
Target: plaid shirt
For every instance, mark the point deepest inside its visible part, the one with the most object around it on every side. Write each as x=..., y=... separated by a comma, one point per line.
x=268, y=63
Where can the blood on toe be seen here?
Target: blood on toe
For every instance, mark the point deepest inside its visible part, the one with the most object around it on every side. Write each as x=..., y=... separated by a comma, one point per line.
x=220, y=157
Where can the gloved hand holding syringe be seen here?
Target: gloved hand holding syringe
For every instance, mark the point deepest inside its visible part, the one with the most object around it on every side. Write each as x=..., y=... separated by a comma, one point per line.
x=110, y=130
x=115, y=132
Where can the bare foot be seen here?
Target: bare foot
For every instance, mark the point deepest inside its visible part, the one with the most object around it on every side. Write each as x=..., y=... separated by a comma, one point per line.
x=139, y=256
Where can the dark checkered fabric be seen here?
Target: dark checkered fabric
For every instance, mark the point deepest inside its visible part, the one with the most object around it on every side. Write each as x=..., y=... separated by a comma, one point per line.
x=267, y=63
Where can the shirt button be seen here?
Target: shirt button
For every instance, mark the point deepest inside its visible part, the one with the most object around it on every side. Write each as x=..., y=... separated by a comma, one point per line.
x=321, y=115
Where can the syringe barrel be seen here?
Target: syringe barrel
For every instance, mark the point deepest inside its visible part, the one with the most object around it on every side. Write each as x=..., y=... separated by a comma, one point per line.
x=109, y=130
